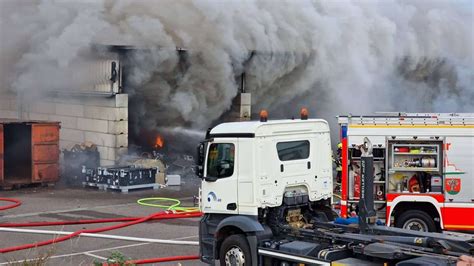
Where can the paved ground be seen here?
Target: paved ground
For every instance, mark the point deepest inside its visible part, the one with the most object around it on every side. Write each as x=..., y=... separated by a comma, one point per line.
x=66, y=203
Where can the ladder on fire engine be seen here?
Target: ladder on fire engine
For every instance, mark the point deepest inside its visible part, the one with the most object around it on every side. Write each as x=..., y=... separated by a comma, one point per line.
x=389, y=118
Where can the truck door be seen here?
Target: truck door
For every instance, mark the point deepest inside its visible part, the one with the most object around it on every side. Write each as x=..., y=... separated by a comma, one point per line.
x=219, y=189
x=458, y=211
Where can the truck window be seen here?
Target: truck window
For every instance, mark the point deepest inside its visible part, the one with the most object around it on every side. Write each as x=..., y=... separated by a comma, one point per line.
x=220, y=161
x=293, y=150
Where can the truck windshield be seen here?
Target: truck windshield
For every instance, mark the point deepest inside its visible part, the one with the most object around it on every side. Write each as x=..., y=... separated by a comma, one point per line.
x=220, y=160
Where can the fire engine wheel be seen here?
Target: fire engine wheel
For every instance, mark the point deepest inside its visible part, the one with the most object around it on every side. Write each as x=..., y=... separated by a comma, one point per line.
x=235, y=251
x=416, y=220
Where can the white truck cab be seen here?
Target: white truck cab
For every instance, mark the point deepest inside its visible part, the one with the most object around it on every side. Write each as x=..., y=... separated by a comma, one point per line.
x=251, y=165
x=250, y=169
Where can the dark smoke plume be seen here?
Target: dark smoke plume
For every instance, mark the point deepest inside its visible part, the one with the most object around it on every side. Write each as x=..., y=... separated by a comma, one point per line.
x=335, y=57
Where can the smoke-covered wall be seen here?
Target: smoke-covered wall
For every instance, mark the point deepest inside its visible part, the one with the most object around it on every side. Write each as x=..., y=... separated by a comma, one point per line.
x=335, y=57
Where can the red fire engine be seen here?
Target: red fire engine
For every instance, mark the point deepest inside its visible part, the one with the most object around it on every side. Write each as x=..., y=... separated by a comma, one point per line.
x=423, y=168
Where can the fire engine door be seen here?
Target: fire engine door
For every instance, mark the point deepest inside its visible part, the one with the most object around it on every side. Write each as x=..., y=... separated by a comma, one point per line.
x=459, y=170
x=458, y=211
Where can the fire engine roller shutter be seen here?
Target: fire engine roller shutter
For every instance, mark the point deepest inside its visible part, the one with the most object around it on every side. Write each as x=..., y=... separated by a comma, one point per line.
x=45, y=152
x=1, y=153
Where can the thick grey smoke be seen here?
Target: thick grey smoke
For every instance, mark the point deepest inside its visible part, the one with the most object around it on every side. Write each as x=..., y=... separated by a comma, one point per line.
x=335, y=57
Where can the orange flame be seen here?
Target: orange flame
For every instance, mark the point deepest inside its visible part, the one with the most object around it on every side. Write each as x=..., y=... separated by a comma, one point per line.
x=159, y=142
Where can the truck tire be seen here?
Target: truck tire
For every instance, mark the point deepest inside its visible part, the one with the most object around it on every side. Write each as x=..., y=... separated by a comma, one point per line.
x=416, y=220
x=235, y=251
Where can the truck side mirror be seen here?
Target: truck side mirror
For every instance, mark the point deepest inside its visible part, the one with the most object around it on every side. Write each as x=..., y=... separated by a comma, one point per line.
x=199, y=170
x=200, y=154
x=201, y=149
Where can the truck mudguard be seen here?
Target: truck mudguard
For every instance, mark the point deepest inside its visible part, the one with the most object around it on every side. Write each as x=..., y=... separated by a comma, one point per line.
x=244, y=223
x=212, y=223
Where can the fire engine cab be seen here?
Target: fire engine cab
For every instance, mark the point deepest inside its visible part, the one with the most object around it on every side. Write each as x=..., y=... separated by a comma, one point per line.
x=423, y=168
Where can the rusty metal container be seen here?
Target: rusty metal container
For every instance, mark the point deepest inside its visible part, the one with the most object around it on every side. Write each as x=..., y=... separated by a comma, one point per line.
x=29, y=152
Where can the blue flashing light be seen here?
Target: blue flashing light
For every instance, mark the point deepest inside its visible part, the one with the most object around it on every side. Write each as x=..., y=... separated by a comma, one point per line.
x=343, y=132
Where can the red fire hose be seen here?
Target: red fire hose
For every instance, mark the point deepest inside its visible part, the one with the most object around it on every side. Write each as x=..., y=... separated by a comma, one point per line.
x=15, y=204
x=128, y=222
x=95, y=221
x=158, y=216
x=154, y=260
x=157, y=260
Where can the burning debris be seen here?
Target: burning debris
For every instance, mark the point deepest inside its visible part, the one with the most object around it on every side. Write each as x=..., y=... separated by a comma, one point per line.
x=173, y=147
x=178, y=162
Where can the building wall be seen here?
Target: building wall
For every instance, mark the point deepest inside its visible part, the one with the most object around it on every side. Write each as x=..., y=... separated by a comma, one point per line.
x=8, y=105
x=98, y=119
x=240, y=110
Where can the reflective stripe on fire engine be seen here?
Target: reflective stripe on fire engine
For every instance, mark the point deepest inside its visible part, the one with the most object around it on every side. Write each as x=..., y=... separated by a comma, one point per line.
x=292, y=257
x=458, y=216
x=391, y=197
x=458, y=226
x=458, y=205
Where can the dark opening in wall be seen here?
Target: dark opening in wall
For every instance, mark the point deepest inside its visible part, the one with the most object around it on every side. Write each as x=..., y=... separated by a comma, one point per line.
x=147, y=83
x=17, y=153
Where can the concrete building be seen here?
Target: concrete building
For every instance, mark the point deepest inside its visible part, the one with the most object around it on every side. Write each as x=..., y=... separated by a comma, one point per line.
x=98, y=114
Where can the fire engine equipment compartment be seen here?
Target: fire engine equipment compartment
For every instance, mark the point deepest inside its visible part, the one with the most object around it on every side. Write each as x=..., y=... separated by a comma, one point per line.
x=405, y=166
x=29, y=152
x=414, y=166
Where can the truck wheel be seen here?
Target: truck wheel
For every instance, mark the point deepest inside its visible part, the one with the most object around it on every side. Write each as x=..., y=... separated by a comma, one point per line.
x=235, y=251
x=416, y=220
